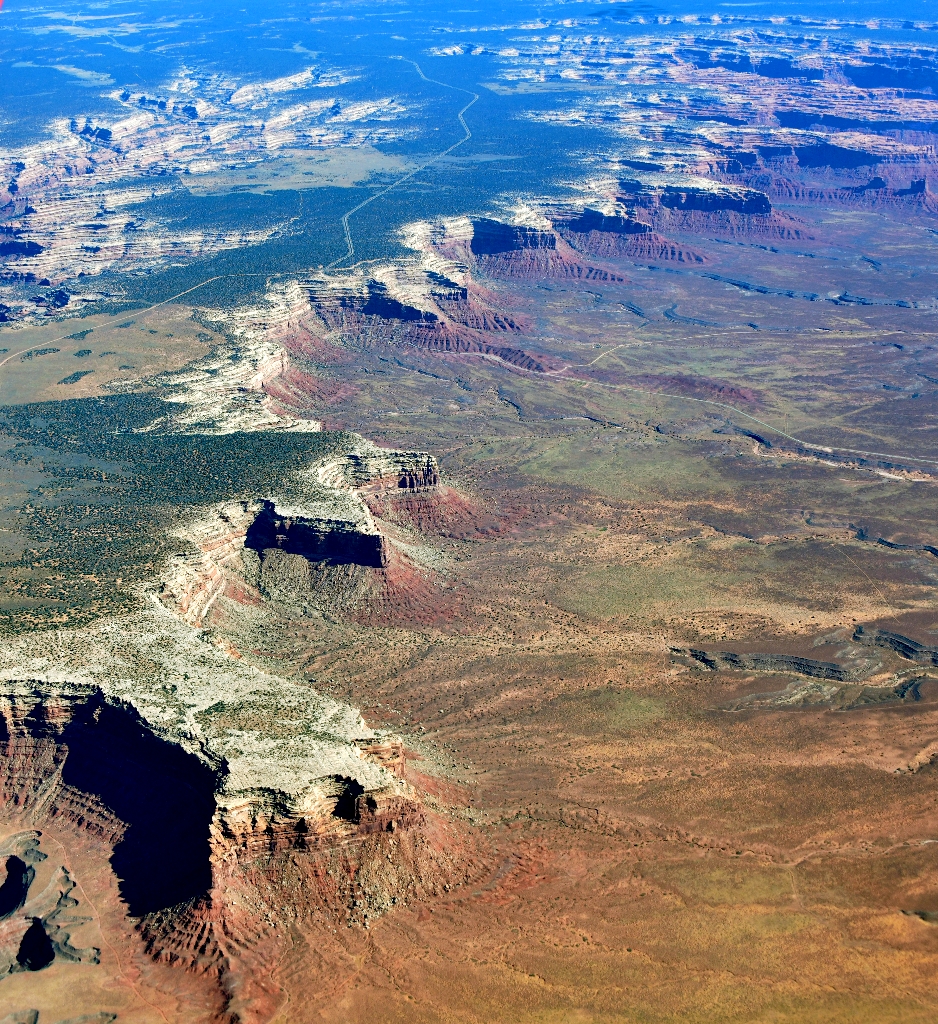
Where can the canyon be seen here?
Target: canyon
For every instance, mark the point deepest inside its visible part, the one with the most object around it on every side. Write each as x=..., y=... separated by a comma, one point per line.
x=184, y=787
x=467, y=543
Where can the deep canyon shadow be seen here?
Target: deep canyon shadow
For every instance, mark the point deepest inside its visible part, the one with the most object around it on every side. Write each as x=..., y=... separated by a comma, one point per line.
x=164, y=795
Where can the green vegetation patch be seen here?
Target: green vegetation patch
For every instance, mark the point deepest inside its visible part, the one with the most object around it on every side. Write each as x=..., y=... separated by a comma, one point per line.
x=605, y=711
x=631, y=589
x=74, y=378
x=105, y=498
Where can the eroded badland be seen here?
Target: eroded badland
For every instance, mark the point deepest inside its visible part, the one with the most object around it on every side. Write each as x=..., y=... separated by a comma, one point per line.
x=535, y=624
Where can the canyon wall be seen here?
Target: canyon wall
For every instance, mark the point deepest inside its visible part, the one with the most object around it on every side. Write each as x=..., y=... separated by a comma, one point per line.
x=195, y=830
x=774, y=663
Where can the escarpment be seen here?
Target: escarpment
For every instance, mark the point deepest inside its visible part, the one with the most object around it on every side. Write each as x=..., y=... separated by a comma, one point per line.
x=354, y=532
x=365, y=465
x=73, y=756
x=503, y=250
x=227, y=392
x=704, y=206
x=756, y=662
x=197, y=577
x=612, y=235
x=876, y=192
x=175, y=807
x=711, y=200
x=904, y=646
x=421, y=310
x=228, y=803
x=316, y=538
x=449, y=301
x=493, y=237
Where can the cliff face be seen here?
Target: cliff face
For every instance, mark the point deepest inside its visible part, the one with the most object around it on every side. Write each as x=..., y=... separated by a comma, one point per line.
x=316, y=539
x=876, y=192
x=776, y=663
x=711, y=200
x=493, y=237
x=905, y=647
x=614, y=235
x=322, y=546
x=596, y=220
x=366, y=466
x=706, y=206
x=509, y=251
x=172, y=805
x=219, y=828
x=336, y=526
x=419, y=309
x=74, y=756
x=627, y=216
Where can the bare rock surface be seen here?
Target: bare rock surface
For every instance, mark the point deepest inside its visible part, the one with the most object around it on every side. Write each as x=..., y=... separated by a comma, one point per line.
x=188, y=692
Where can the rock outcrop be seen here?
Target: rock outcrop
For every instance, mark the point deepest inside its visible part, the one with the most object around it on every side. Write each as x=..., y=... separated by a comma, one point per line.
x=316, y=538
x=875, y=193
x=836, y=697
x=203, y=778
x=494, y=238
x=366, y=466
x=618, y=235
x=296, y=542
x=503, y=250
x=194, y=579
x=419, y=309
x=714, y=660
x=904, y=646
x=702, y=205
x=36, y=920
x=226, y=392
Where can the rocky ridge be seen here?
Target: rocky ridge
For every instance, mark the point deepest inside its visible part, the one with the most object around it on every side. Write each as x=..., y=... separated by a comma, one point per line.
x=206, y=780
x=905, y=647
x=36, y=920
x=658, y=204
x=210, y=707
x=756, y=662
x=519, y=243
x=200, y=777
x=325, y=519
x=225, y=392
x=67, y=199
x=431, y=303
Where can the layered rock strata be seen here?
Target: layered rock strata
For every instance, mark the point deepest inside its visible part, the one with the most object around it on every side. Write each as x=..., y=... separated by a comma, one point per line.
x=845, y=697
x=194, y=579
x=507, y=250
x=702, y=205
x=72, y=200
x=714, y=660
x=366, y=466
x=904, y=646
x=406, y=306
x=207, y=720
x=316, y=538
x=203, y=778
x=226, y=392
x=615, y=234
x=326, y=521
